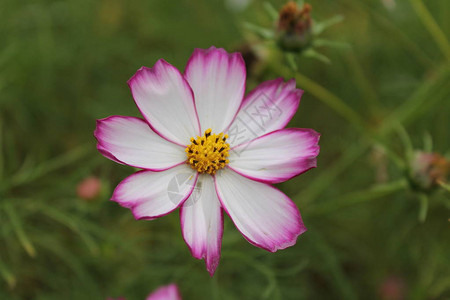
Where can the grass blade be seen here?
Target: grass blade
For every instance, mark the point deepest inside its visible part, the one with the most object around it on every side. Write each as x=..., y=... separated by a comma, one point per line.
x=18, y=229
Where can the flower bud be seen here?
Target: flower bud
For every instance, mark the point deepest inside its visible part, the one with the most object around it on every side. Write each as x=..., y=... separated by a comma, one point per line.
x=427, y=170
x=392, y=288
x=293, y=31
x=89, y=188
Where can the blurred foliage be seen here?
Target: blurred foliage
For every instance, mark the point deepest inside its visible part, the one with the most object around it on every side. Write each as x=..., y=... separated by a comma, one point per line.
x=64, y=64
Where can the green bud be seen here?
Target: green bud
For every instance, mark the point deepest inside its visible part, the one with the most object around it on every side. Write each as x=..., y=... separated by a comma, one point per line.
x=294, y=27
x=428, y=170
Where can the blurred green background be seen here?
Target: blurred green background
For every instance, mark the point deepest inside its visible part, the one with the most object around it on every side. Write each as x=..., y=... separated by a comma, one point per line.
x=64, y=64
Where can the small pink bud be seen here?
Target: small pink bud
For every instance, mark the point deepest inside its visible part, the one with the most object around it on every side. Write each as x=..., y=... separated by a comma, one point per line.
x=89, y=188
x=428, y=169
x=393, y=288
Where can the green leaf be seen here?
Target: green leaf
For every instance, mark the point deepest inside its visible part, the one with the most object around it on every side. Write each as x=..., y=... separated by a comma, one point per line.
x=445, y=186
x=354, y=198
x=324, y=95
x=330, y=174
x=18, y=229
x=320, y=27
x=72, y=224
x=7, y=275
x=424, y=98
x=260, y=31
x=29, y=173
x=75, y=263
x=432, y=26
x=406, y=141
x=314, y=54
x=331, y=263
x=272, y=290
x=272, y=12
x=290, y=59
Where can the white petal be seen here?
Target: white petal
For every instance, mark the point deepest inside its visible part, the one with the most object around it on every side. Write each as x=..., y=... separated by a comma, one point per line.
x=150, y=194
x=202, y=222
x=270, y=106
x=131, y=141
x=266, y=217
x=277, y=156
x=166, y=101
x=218, y=81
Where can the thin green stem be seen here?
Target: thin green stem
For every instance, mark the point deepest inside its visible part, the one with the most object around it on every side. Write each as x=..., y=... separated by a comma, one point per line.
x=29, y=174
x=368, y=92
x=324, y=95
x=432, y=27
x=272, y=286
x=331, y=100
x=73, y=224
x=395, y=33
x=394, y=157
x=427, y=142
x=7, y=275
x=359, y=197
x=330, y=262
x=404, y=112
x=18, y=229
x=444, y=186
x=423, y=207
x=2, y=164
x=429, y=93
x=406, y=141
x=325, y=178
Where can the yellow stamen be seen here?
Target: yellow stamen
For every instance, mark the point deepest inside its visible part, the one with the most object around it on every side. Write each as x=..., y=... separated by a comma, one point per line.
x=208, y=153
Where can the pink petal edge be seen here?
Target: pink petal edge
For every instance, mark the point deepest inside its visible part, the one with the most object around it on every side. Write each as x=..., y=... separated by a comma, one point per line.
x=290, y=242
x=303, y=164
x=214, y=54
x=284, y=96
x=211, y=264
x=98, y=132
x=154, y=70
x=132, y=207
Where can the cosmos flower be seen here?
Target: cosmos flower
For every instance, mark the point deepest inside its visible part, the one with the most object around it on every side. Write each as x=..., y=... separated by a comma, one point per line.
x=167, y=292
x=205, y=148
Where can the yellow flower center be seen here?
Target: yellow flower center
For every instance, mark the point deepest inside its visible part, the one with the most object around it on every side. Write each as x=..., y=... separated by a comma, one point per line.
x=208, y=153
